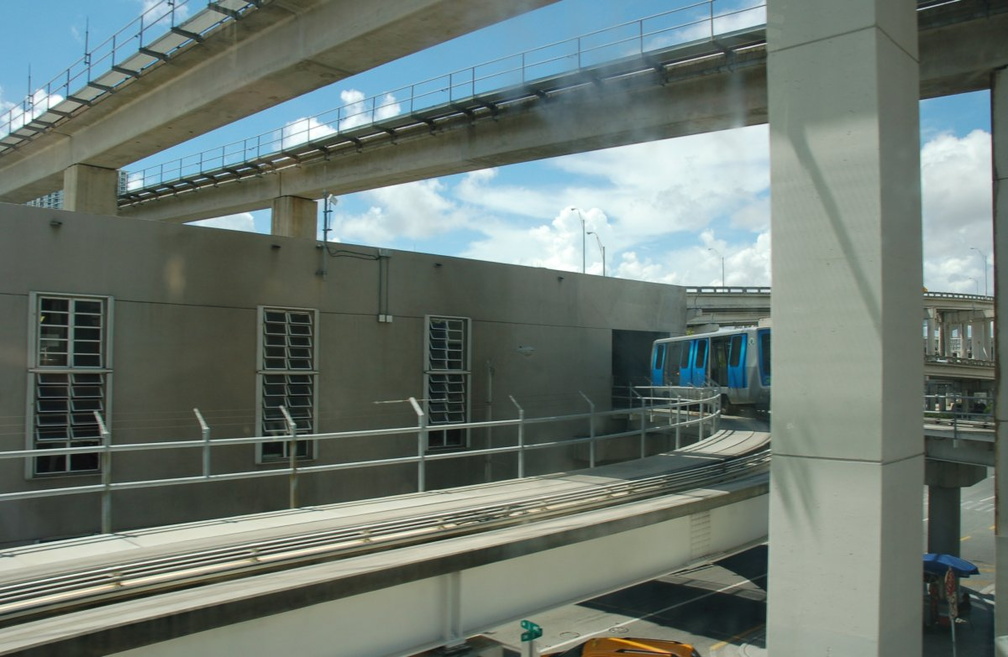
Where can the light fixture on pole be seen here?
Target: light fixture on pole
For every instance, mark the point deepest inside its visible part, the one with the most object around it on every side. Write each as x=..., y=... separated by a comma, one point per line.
x=711, y=248
x=984, y=256
x=583, y=237
x=601, y=248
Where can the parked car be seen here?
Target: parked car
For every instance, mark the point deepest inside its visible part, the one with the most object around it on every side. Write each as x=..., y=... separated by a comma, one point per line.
x=624, y=646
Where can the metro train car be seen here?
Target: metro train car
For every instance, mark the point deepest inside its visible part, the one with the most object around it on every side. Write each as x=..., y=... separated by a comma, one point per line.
x=736, y=360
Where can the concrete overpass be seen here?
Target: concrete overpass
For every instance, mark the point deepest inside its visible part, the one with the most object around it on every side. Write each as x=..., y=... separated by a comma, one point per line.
x=682, y=90
x=274, y=51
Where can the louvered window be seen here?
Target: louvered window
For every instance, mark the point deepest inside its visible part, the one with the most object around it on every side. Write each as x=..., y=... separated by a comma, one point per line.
x=287, y=377
x=70, y=377
x=446, y=380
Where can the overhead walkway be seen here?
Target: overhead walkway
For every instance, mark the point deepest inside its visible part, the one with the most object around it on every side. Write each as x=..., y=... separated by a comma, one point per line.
x=433, y=568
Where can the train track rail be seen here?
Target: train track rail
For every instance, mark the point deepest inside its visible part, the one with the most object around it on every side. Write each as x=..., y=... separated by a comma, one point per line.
x=39, y=597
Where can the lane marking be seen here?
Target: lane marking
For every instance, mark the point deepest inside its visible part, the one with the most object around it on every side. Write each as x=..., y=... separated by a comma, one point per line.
x=732, y=639
x=630, y=621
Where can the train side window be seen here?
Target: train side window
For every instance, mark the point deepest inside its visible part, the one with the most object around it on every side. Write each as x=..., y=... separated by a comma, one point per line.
x=659, y=357
x=764, y=338
x=735, y=352
x=701, y=353
x=673, y=360
x=684, y=355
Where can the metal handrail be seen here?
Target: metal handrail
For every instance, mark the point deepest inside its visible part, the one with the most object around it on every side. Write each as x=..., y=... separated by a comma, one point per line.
x=162, y=18
x=706, y=403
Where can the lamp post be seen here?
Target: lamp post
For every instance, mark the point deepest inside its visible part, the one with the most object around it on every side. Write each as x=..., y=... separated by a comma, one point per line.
x=984, y=256
x=601, y=248
x=711, y=248
x=583, y=237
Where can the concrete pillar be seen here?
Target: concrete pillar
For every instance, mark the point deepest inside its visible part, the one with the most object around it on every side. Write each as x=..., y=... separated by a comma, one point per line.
x=944, y=519
x=294, y=216
x=848, y=464
x=999, y=138
x=91, y=189
x=945, y=482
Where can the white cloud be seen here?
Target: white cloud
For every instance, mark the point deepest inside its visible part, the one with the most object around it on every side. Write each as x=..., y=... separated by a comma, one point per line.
x=358, y=110
x=14, y=116
x=417, y=210
x=243, y=222
x=302, y=130
x=957, y=212
x=160, y=12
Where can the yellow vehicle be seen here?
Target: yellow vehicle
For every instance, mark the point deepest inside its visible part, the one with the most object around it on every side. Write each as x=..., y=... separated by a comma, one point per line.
x=625, y=647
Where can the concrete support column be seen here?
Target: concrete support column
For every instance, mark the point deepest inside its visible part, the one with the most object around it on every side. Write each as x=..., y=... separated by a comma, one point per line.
x=848, y=464
x=91, y=189
x=945, y=482
x=294, y=216
x=999, y=137
x=944, y=519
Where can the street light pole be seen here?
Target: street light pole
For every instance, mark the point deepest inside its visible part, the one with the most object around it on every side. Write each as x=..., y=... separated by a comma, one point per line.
x=710, y=248
x=583, y=237
x=601, y=248
x=984, y=256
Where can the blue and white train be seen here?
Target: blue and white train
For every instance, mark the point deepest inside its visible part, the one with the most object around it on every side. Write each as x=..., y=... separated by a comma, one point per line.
x=736, y=360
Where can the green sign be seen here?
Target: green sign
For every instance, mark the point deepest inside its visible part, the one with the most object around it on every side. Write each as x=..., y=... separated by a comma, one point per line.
x=532, y=631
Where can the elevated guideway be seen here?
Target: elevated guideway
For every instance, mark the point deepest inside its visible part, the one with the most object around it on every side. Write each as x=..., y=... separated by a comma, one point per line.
x=212, y=72
x=689, y=88
x=433, y=567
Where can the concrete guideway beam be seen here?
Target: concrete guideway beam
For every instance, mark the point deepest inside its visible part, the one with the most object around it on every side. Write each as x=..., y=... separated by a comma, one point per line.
x=576, y=122
x=845, y=216
x=719, y=99
x=284, y=49
x=426, y=595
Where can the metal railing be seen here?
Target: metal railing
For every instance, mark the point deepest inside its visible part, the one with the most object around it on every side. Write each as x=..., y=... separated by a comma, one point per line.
x=679, y=408
x=700, y=22
x=960, y=412
x=153, y=37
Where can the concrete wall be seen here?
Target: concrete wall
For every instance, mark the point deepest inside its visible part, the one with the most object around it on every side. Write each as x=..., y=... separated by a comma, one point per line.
x=184, y=336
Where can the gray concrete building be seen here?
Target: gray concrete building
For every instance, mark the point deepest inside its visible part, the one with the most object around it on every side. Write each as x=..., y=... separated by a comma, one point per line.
x=145, y=321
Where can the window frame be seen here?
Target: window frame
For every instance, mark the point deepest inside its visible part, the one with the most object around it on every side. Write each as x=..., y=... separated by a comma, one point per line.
x=465, y=372
x=309, y=446
x=38, y=368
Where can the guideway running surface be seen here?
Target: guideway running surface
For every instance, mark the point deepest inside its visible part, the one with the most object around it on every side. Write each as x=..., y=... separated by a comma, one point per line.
x=36, y=582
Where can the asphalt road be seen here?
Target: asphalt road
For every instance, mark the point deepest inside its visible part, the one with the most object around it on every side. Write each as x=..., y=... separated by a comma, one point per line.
x=721, y=608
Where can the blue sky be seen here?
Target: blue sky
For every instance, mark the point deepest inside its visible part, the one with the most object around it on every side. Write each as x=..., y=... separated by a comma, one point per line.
x=664, y=211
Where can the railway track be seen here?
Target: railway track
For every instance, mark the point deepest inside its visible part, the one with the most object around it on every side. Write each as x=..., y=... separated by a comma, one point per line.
x=40, y=597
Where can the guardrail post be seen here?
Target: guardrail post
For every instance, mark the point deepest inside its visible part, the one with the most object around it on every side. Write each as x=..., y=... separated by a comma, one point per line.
x=422, y=435
x=643, y=432
x=205, y=432
x=678, y=421
x=700, y=416
x=292, y=458
x=106, y=474
x=521, y=438
x=591, y=430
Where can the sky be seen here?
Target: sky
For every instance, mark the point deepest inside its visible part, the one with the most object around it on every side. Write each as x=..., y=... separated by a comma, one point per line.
x=671, y=211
